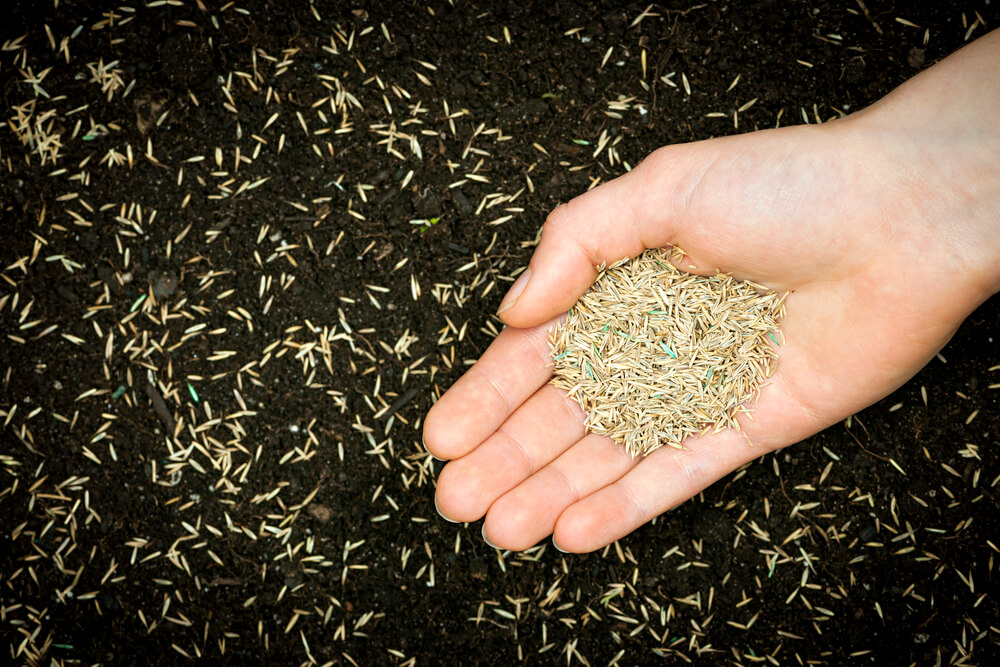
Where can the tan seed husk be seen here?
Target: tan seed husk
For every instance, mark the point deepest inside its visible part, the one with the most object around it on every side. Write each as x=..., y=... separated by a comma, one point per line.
x=653, y=354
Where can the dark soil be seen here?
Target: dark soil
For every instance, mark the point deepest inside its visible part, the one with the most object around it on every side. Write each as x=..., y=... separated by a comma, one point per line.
x=231, y=468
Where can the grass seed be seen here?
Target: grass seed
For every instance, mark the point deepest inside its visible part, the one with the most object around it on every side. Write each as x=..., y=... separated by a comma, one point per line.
x=654, y=355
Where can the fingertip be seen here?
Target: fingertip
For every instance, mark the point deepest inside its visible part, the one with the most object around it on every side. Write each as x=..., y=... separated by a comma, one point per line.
x=451, y=427
x=430, y=434
x=513, y=523
x=570, y=532
x=487, y=539
x=456, y=498
x=582, y=528
x=442, y=514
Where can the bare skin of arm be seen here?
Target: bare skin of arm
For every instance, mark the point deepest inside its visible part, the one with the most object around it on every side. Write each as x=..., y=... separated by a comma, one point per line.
x=885, y=225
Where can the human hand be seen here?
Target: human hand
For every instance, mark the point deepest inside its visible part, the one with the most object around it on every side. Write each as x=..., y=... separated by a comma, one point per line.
x=882, y=225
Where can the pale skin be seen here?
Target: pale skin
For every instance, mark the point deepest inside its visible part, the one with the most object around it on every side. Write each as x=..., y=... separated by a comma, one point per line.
x=885, y=227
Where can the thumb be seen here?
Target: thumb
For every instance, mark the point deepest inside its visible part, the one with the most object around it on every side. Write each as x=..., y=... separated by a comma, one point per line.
x=618, y=219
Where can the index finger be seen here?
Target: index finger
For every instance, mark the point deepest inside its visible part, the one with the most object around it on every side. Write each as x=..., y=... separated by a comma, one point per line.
x=513, y=367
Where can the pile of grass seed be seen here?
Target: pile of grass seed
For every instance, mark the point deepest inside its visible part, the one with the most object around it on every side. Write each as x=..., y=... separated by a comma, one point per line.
x=653, y=354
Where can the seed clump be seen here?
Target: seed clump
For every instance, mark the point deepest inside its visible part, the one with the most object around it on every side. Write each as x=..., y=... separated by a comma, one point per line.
x=654, y=354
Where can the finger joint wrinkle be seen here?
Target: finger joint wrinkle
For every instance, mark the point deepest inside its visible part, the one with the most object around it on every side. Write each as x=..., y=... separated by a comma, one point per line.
x=497, y=387
x=521, y=449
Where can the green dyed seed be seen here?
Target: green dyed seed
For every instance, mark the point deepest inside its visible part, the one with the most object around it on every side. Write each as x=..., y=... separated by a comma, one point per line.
x=137, y=303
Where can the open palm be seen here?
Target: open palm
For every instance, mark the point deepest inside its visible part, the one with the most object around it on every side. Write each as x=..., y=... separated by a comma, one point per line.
x=877, y=287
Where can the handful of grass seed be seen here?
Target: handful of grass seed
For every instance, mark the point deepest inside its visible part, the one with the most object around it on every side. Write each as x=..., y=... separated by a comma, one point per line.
x=653, y=354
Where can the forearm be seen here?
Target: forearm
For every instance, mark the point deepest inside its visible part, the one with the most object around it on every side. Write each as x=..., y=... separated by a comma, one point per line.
x=938, y=137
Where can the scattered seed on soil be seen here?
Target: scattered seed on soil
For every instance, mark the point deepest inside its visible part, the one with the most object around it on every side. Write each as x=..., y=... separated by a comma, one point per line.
x=654, y=355
x=309, y=211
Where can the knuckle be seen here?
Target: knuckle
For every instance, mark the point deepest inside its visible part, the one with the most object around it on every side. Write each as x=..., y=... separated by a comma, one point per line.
x=638, y=506
x=559, y=218
x=691, y=469
x=572, y=407
x=658, y=158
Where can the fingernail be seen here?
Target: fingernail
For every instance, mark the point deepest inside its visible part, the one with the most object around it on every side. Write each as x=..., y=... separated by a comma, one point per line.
x=487, y=540
x=442, y=513
x=556, y=545
x=515, y=291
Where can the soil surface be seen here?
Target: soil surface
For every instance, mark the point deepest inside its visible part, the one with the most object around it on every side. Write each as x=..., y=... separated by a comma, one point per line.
x=247, y=244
